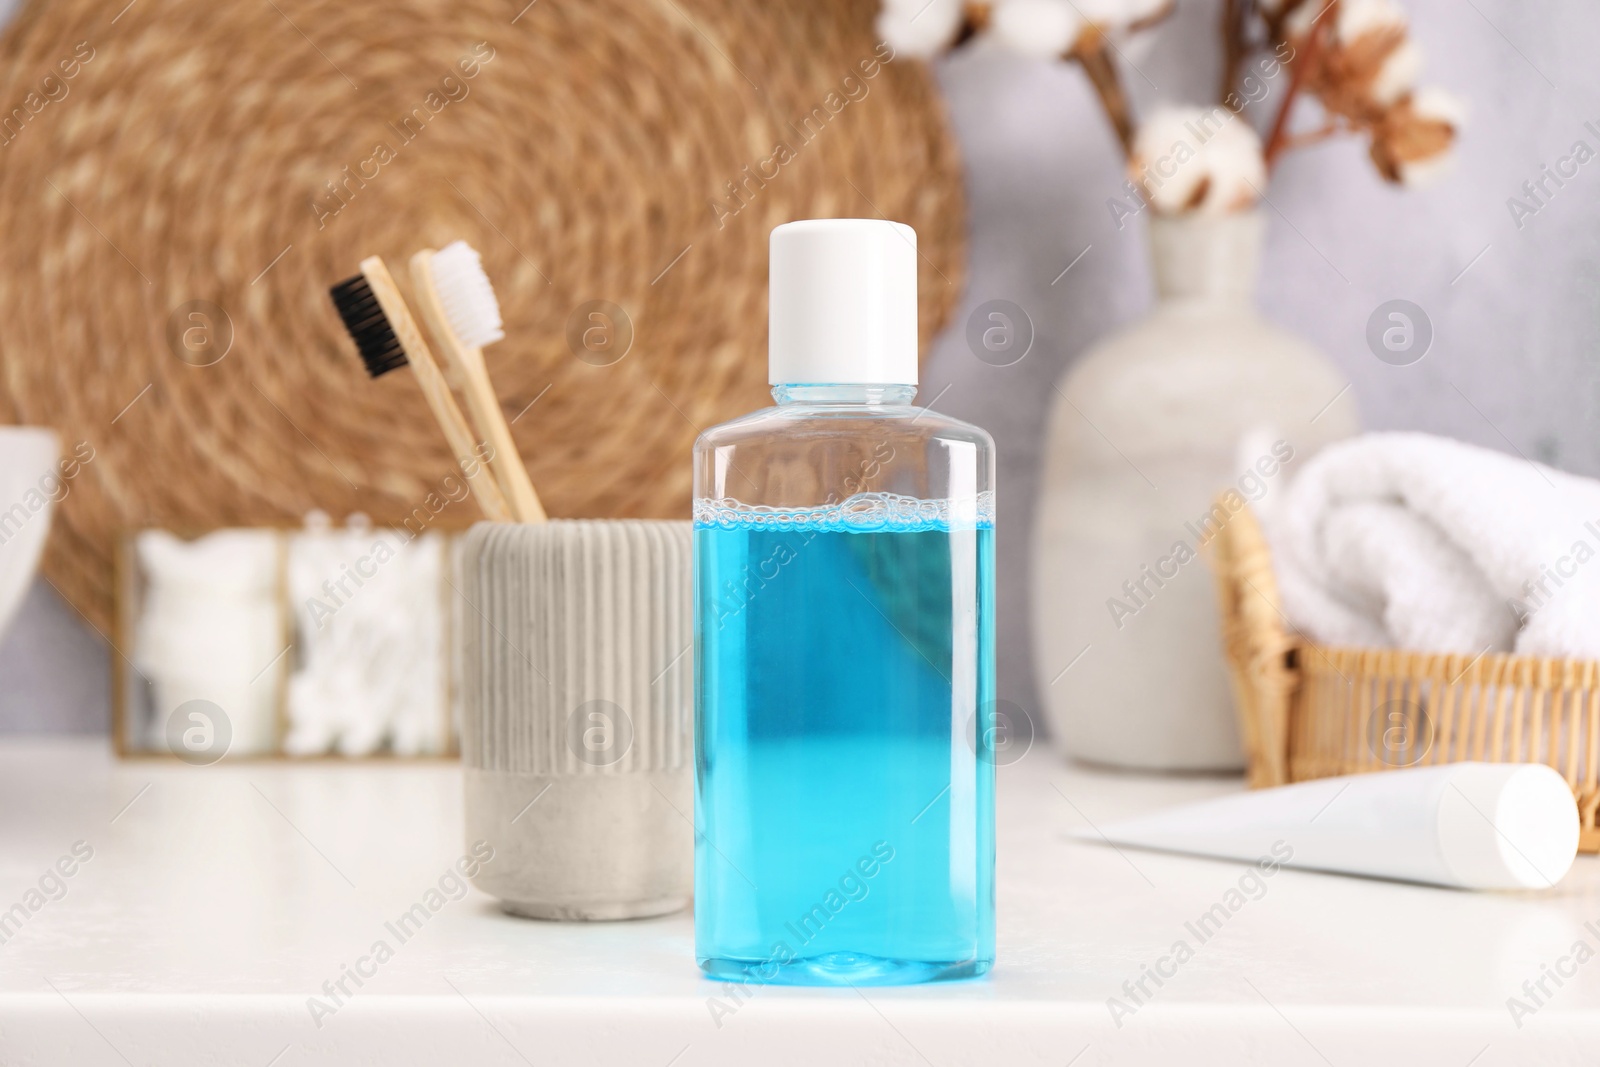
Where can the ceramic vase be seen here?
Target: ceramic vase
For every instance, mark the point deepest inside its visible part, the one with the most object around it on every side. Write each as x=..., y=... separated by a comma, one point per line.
x=1199, y=398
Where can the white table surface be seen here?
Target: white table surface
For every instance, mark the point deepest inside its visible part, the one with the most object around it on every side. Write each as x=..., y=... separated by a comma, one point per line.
x=219, y=899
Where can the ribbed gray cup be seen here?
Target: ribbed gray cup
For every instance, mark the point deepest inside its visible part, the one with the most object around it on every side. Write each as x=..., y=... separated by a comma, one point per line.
x=573, y=651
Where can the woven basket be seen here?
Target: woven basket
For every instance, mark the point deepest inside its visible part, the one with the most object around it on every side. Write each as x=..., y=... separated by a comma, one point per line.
x=610, y=150
x=1306, y=711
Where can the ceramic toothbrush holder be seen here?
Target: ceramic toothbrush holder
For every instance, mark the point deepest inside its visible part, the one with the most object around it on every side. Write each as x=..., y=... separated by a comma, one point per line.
x=573, y=650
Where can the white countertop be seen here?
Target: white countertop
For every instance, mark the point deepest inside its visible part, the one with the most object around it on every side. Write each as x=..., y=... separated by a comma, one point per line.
x=218, y=899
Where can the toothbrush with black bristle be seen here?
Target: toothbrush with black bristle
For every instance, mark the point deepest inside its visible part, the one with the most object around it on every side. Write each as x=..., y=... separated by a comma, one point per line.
x=387, y=337
x=459, y=305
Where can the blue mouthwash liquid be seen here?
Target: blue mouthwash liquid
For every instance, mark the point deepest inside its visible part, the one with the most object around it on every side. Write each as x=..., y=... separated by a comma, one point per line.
x=846, y=820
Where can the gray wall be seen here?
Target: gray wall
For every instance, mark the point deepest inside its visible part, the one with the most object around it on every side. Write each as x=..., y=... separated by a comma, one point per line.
x=1510, y=365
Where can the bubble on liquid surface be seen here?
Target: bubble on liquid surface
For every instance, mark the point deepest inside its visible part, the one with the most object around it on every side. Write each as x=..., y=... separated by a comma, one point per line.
x=863, y=512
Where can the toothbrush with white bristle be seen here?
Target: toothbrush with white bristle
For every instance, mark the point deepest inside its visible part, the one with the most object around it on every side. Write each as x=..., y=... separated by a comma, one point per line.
x=459, y=304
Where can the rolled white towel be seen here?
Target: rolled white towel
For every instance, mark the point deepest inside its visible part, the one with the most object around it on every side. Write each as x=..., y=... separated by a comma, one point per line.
x=1424, y=543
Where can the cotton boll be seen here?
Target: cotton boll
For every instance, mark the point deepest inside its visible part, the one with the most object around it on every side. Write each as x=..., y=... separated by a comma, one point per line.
x=1114, y=14
x=1434, y=105
x=1357, y=18
x=1397, y=75
x=1193, y=159
x=922, y=30
x=1039, y=29
x=1432, y=102
x=1237, y=169
x=1413, y=143
x=1375, y=64
x=1166, y=161
x=1426, y=173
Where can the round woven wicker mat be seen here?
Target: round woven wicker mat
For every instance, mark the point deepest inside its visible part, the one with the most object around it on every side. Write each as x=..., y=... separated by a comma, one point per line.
x=177, y=185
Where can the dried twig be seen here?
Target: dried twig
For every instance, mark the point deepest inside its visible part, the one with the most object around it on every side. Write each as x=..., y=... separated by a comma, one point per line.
x=1299, y=70
x=1093, y=51
x=975, y=16
x=1300, y=140
x=1234, y=46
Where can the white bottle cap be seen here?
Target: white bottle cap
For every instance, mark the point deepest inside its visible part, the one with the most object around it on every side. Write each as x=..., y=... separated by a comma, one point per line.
x=842, y=303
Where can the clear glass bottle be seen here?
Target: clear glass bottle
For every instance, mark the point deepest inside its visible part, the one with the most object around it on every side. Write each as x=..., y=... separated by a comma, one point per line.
x=844, y=644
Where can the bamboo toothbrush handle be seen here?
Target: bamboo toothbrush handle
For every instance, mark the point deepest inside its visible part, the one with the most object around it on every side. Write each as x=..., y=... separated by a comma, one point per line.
x=469, y=366
x=434, y=388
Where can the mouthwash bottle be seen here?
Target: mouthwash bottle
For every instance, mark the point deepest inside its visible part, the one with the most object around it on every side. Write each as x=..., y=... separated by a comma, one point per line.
x=844, y=644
